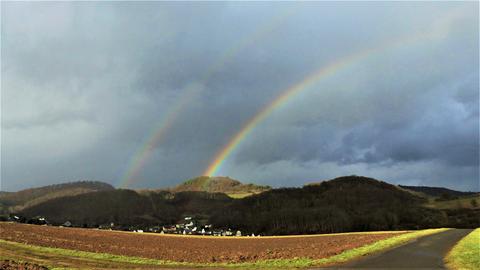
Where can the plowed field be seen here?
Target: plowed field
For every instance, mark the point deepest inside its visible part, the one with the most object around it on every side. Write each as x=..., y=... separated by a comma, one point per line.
x=188, y=248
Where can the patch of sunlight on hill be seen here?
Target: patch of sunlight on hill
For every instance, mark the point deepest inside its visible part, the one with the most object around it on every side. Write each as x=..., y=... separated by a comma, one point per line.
x=470, y=202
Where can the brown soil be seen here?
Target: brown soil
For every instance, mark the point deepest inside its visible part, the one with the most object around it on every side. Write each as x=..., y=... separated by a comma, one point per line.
x=187, y=249
x=12, y=265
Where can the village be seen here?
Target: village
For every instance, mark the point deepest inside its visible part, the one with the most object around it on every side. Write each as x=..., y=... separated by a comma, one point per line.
x=187, y=226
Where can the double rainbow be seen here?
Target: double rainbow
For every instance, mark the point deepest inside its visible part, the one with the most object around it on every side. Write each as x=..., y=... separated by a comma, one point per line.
x=143, y=154
x=288, y=94
x=146, y=149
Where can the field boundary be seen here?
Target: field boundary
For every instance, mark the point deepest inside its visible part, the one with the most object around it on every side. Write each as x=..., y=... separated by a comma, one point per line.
x=465, y=254
x=226, y=237
x=343, y=257
x=92, y=255
x=257, y=236
x=377, y=247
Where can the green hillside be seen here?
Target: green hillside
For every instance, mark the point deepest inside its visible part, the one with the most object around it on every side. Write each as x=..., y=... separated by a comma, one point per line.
x=231, y=187
x=437, y=191
x=350, y=203
x=128, y=207
x=467, y=201
x=16, y=201
x=444, y=198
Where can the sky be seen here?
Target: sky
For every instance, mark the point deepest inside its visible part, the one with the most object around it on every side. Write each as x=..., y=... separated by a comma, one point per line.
x=146, y=95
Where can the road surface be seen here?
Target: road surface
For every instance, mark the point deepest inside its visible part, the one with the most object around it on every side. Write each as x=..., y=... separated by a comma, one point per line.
x=425, y=253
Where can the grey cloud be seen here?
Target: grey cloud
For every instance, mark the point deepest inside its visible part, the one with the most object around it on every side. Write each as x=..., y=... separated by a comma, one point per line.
x=84, y=85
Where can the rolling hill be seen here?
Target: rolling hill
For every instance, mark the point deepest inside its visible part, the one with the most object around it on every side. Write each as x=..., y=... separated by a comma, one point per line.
x=444, y=198
x=350, y=203
x=16, y=201
x=128, y=207
x=437, y=191
x=229, y=186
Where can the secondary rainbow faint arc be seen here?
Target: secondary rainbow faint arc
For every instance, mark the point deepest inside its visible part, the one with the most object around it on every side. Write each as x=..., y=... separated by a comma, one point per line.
x=292, y=91
x=142, y=155
x=145, y=151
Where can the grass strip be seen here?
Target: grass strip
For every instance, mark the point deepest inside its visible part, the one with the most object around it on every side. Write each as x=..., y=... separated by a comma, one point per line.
x=345, y=256
x=92, y=255
x=274, y=263
x=465, y=254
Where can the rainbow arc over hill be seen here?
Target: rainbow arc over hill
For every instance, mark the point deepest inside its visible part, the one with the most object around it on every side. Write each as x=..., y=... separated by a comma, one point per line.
x=148, y=146
x=307, y=83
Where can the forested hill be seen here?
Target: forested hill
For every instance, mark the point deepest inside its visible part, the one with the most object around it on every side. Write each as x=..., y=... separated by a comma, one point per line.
x=343, y=204
x=219, y=184
x=129, y=208
x=16, y=201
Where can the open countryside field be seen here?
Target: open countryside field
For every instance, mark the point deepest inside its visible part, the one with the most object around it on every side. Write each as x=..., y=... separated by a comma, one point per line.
x=192, y=249
x=466, y=202
x=54, y=246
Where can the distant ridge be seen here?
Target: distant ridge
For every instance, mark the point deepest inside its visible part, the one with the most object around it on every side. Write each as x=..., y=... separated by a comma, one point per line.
x=16, y=201
x=219, y=185
x=437, y=191
x=349, y=203
x=351, y=179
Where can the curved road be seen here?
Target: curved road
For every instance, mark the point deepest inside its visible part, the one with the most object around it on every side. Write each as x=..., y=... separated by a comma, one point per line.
x=425, y=253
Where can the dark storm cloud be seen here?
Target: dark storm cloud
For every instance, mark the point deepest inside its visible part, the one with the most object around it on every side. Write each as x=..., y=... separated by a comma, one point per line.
x=85, y=85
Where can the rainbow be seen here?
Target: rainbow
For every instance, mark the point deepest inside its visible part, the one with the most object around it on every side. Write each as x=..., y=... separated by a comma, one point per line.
x=143, y=154
x=286, y=95
x=145, y=151
x=270, y=108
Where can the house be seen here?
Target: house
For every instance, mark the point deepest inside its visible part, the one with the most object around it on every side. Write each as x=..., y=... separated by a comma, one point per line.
x=17, y=218
x=169, y=229
x=38, y=220
x=206, y=230
x=155, y=229
x=189, y=223
x=105, y=227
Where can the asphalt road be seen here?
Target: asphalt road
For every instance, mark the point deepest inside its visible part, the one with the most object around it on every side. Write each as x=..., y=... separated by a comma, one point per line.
x=425, y=253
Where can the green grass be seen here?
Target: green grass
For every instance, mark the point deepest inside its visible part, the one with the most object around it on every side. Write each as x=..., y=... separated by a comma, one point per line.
x=88, y=255
x=465, y=254
x=346, y=255
x=462, y=202
x=239, y=195
x=52, y=255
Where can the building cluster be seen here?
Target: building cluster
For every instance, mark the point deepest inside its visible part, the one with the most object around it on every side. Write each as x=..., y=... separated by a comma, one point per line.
x=188, y=226
x=38, y=220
